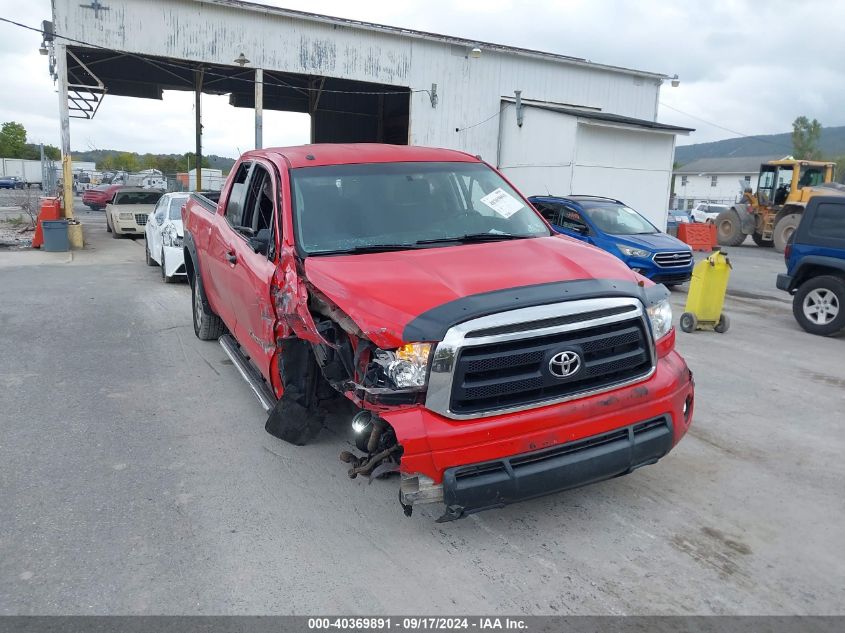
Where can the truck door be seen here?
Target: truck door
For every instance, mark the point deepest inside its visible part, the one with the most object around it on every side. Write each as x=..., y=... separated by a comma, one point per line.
x=255, y=248
x=217, y=267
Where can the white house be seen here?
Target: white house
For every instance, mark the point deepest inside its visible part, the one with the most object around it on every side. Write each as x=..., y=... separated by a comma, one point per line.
x=715, y=179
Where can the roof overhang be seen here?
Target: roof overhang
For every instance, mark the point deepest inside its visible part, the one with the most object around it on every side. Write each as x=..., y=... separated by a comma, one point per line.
x=596, y=116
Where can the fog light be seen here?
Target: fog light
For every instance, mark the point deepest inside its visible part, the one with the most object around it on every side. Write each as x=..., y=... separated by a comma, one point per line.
x=361, y=422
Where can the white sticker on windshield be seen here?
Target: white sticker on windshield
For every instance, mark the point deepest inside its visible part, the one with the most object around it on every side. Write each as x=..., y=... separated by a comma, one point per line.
x=502, y=202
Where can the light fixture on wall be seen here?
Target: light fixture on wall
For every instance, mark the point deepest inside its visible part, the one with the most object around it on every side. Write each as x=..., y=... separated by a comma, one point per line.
x=675, y=81
x=43, y=50
x=475, y=53
x=241, y=60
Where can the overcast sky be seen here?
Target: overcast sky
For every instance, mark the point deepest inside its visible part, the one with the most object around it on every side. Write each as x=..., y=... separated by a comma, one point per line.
x=749, y=66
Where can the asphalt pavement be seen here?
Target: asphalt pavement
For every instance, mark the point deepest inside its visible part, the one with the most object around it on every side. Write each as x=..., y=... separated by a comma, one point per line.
x=136, y=477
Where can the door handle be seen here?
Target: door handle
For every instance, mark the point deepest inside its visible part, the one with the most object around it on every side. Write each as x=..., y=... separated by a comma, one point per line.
x=232, y=258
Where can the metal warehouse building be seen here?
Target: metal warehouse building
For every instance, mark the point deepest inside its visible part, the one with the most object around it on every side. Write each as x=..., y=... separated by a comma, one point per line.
x=552, y=123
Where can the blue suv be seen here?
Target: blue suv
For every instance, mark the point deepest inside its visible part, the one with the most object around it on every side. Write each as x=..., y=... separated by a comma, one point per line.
x=618, y=229
x=815, y=267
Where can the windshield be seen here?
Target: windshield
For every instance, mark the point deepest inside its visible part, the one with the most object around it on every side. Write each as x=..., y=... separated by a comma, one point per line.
x=137, y=197
x=341, y=208
x=176, y=204
x=617, y=219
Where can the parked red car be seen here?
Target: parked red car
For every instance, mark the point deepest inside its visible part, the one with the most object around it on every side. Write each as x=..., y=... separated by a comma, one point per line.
x=489, y=359
x=98, y=197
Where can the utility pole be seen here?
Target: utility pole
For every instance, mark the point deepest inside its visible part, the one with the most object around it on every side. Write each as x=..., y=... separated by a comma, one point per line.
x=198, y=98
x=64, y=122
x=259, y=108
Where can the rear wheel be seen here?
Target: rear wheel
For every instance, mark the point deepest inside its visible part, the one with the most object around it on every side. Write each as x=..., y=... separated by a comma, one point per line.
x=784, y=229
x=759, y=241
x=723, y=325
x=819, y=305
x=207, y=325
x=729, y=228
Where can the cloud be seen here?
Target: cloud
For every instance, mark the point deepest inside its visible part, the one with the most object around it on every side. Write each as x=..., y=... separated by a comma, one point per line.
x=745, y=65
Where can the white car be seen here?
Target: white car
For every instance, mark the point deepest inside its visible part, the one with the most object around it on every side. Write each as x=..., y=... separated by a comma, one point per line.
x=127, y=212
x=164, y=235
x=707, y=212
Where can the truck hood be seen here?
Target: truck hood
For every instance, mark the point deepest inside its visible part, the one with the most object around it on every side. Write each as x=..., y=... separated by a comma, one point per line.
x=652, y=242
x=383, y=292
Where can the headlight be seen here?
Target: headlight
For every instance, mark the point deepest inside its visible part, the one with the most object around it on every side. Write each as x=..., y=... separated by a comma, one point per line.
x=632, y=252
x=125, y=215
x=407, y=366
x=660, y=316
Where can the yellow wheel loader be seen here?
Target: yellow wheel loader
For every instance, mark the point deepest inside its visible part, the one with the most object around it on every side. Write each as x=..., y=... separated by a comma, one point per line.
x=771, y=214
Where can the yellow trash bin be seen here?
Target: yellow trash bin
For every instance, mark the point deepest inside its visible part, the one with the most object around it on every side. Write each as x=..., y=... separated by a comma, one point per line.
x=706, y=297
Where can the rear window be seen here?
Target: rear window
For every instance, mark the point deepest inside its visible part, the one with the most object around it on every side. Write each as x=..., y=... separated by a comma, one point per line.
x=829, y=221
x=176, y=205
x=137, y=197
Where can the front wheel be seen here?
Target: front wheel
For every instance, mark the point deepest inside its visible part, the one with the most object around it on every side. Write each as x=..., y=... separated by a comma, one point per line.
x=729, y=228
x=108, y=225
x=784, y=229
x=147, y=257
x=164, y=276
x=723, y=325
x=207, y=325
x=819, y=305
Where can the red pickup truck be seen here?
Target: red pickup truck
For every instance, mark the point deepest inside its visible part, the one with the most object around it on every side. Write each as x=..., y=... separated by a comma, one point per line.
x=489, y=359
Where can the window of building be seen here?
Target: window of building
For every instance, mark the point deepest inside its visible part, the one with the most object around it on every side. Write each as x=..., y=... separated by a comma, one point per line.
x=684, y=181
x=690, y=204
x=714, y=180
x=748, y=179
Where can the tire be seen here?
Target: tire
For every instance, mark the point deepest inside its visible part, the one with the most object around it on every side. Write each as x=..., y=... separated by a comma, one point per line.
x=723, y=325
x=819, y=305
x=108, y=225
x=207, y=325
x=759, y=241
x=164, y=277
x=784, y=229
x=150, y=261
x=688, y=322
x=115, y=234
x=729, y=228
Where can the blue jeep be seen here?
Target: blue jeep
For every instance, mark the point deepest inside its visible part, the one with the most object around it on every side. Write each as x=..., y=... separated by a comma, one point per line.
x=815, y=267
x=618, y=229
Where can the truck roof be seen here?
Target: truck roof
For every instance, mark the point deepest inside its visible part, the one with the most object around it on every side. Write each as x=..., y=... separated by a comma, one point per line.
x=318, y=155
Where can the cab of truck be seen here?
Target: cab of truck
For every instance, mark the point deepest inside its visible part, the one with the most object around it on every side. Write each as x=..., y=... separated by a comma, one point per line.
x=488, y=359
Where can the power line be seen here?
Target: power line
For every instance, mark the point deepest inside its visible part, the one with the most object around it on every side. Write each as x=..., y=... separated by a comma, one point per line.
x=721, y=127
x=492, y=116
x=159, y=63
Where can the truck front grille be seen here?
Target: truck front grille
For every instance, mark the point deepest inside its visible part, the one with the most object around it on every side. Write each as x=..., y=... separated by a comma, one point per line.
x=503, y=375
x=674, y=259
x=503, y=362
x=140, y=219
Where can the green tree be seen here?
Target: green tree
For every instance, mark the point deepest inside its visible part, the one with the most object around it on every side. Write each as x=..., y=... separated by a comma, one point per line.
x=52, y=152
x=127, y=161
x=106, y=163
x=805, y=138
x=12, y=140
x=191, y=159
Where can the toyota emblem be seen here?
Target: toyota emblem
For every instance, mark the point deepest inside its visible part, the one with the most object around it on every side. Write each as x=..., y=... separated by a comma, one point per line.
x=564, y=364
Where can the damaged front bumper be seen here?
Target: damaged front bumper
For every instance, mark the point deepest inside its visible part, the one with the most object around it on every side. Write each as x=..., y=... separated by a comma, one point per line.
x=492, y=462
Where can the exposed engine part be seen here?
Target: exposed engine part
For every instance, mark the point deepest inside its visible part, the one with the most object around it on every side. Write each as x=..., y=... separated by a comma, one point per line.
x=375, y=437
x=364, y=465
x=323, y=305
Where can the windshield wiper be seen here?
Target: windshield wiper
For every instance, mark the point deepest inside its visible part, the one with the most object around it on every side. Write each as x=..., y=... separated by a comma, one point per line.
x=475, y=237
x=368, y=248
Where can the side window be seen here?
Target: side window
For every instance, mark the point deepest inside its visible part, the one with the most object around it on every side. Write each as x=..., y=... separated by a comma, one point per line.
x=829, y=221
x=570, y=219
x=549, y=212
x=260, y=201
x=235, y=203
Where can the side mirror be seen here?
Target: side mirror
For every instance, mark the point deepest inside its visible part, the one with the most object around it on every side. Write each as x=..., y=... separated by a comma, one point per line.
x=260, y=242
